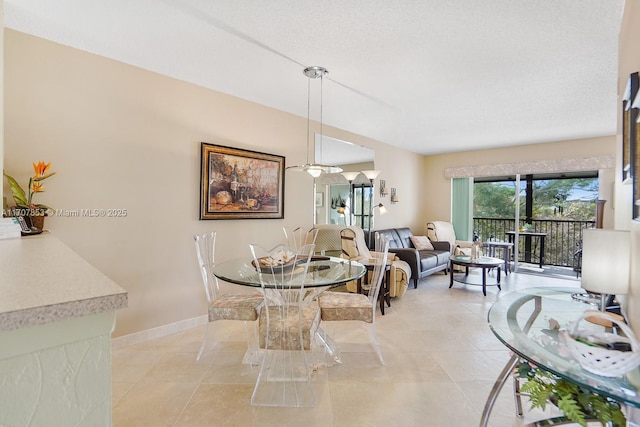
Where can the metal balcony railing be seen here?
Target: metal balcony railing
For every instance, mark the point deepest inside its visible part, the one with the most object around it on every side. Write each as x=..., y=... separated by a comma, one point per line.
x=564, y=237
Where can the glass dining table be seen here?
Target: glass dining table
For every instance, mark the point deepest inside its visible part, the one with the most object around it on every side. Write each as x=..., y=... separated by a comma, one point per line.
x=324, y=273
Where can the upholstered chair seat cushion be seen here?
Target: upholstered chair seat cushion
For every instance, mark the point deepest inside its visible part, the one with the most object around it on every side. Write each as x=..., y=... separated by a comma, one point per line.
x=236, y=307
x=283, y=333
x=344, y=306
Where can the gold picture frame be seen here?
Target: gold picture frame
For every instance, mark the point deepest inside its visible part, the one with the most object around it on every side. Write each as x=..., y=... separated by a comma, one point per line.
x=240, y=184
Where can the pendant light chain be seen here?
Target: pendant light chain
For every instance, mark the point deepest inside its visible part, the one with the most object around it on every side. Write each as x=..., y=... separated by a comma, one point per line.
x=308, y=118
x=314, y=169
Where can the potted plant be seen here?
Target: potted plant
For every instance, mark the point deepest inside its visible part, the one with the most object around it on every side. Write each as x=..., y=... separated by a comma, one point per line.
x=25, y=205
x=578, y=404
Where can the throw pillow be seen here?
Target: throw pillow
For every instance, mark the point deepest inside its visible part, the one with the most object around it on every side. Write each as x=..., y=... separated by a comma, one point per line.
x=421, y=243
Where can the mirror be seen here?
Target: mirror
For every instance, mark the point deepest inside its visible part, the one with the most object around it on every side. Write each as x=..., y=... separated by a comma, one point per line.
x=332, y=190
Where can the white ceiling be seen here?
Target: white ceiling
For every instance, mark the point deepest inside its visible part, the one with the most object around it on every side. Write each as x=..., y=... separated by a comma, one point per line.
x=431, y=76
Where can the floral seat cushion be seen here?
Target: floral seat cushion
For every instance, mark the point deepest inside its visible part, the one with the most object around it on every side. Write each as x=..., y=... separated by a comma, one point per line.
x=236, y=307
x=344, y=306
x=283, y=331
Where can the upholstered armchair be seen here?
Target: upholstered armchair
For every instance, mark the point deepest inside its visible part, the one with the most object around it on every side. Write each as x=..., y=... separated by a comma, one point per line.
x=355, y=247
x=443, y=231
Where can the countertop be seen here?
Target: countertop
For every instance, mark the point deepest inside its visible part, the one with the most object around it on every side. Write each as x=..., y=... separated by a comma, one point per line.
x=42, y=281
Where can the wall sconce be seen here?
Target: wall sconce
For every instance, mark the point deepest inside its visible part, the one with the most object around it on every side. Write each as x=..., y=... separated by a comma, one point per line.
x=394, y=196
x=383, y=188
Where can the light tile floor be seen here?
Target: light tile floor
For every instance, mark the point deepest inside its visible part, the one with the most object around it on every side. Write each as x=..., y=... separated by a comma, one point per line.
x=441, y=362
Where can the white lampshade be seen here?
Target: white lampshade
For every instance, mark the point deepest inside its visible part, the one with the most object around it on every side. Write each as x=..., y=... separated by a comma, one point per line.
x=350, y=176
x=371, y=174
x=606, y=261
x=314, y=171
x=382, y=209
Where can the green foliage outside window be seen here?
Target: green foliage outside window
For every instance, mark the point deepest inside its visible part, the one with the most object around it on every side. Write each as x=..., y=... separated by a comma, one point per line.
x=552, y=199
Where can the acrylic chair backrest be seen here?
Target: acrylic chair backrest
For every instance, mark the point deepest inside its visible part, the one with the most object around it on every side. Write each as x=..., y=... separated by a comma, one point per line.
x=205, y=250
x=297, y=237
x=282, y=271
x=379, y=268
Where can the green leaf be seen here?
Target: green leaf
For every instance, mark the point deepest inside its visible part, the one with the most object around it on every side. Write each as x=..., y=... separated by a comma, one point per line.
x=18, y=193
x=572, y=410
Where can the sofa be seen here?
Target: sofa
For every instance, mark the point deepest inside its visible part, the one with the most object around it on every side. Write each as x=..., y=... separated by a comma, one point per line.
x=422, y=262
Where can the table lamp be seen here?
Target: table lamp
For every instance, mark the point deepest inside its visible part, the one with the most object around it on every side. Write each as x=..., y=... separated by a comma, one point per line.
x=606, y=261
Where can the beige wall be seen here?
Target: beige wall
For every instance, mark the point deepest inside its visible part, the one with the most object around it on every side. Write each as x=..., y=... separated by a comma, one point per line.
x=120, y=137
x=437, y=197
x=629, y=62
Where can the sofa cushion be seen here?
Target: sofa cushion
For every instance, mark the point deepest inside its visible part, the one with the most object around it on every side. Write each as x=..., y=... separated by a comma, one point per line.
x=443, y=256
x=421, y=243
x=392, y=235
x=405, y=234
x=428, y=260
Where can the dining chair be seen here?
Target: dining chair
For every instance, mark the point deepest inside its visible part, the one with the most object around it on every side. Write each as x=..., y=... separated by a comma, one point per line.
x=297, y=237
x=245, y=306
x=287, y=327
x=336, y=306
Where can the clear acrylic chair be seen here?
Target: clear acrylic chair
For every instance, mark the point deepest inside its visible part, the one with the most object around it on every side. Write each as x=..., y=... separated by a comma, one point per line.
x=347, y=306
x=297, y=237
x=287, y=325
x=245, y=307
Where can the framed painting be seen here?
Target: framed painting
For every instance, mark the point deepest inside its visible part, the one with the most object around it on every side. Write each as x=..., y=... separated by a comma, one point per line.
x=635, y=158
x=629, y=134
x=240, y=184
x=319, y=200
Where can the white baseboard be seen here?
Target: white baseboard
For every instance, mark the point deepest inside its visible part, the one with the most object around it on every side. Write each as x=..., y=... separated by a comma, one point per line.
x=157, y=332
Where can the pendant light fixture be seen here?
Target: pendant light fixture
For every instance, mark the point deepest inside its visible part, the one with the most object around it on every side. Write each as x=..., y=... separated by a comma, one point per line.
x=314, y=169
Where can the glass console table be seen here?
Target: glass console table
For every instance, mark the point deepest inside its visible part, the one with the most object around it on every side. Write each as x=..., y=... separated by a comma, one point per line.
x=518, y=318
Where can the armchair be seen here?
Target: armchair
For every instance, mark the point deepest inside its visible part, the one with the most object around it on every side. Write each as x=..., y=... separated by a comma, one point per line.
x=354, y=247
x=443, y=231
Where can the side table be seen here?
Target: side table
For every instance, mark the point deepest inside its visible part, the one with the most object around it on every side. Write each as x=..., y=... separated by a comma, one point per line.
x=518, y=319
x=506, y=248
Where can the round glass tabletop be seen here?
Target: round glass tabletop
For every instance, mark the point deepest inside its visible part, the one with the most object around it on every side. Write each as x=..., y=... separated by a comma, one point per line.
x=323, y=271
x=520, y=320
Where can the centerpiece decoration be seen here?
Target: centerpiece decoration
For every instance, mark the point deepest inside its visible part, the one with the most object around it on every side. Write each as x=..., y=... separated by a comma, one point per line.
x=25, y=206
x=578, y=404
x=278, y=262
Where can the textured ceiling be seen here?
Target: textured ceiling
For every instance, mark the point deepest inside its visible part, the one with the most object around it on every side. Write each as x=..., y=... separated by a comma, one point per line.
x=430, y=76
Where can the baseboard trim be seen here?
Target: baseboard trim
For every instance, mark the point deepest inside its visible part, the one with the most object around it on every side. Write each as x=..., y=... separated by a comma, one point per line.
x=157, y=332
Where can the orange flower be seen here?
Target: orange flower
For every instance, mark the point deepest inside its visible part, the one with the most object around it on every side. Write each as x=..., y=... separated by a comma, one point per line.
x=25, y=199
x=36, y=187
x=41, y=169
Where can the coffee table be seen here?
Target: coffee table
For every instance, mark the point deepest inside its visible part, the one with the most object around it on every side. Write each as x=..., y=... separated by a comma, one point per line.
x=484, y=263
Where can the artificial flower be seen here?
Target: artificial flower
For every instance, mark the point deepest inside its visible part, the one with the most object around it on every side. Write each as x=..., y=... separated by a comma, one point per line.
x=23, y=199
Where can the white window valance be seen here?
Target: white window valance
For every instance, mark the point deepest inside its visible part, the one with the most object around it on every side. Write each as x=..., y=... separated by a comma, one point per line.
x=540, y=166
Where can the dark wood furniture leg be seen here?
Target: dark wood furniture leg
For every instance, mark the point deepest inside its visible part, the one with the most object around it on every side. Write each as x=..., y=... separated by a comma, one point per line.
x=450, y=274
x=484, y=281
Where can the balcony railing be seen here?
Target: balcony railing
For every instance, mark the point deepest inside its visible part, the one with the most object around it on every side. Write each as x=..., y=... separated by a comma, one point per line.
x=564, y=237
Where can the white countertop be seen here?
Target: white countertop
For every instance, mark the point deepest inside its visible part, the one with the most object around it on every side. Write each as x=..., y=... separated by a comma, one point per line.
x=42, y=281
